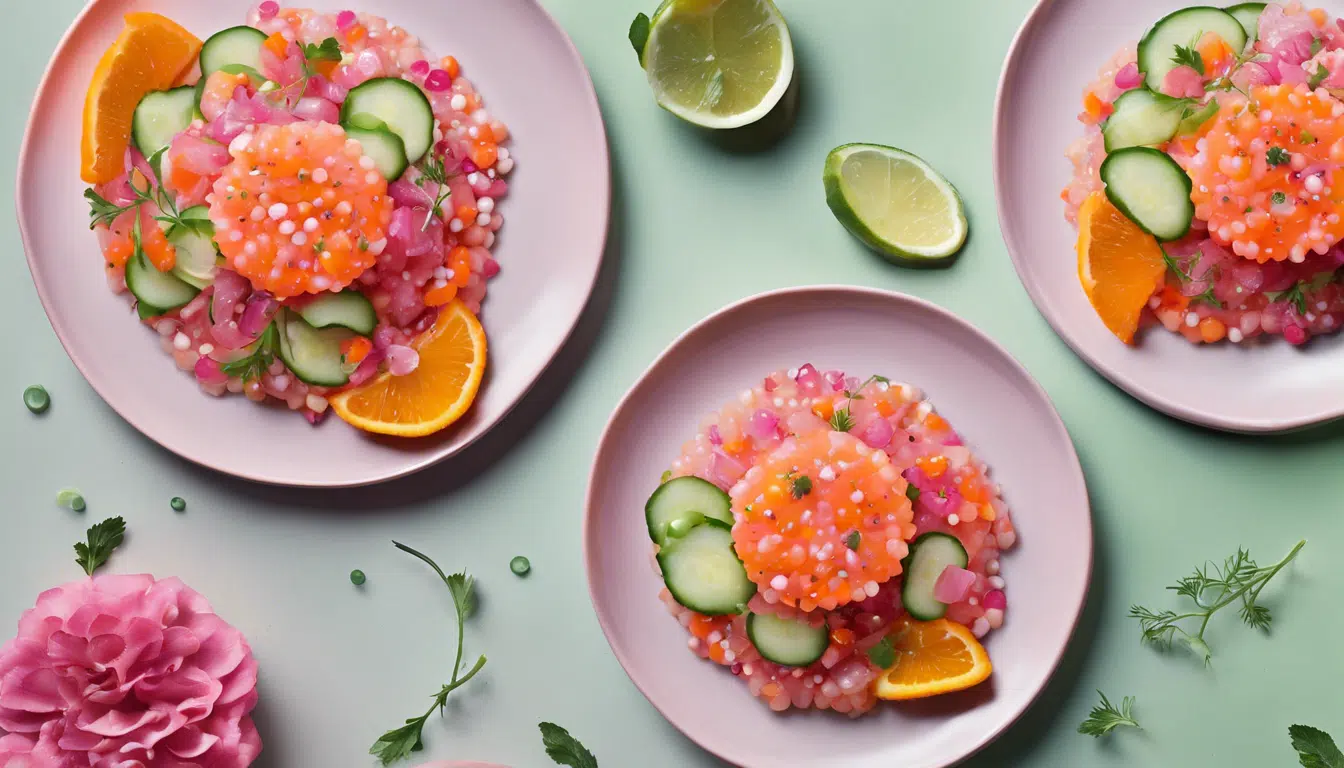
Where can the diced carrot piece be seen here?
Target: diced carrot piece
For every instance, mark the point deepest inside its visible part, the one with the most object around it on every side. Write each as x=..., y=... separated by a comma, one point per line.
x=823, y=409
x=936, y=422
x=1092, y=104
x=451, y=66
x=466, y=213
x=276, y=44
x=444, y=294
x=354, y=350
x=118, y=252
x=483, y=153
x=1319, y=16
x=885, y=408
x=735, y=447
x=933, y=466
x=842, y=636
x=1212, y=329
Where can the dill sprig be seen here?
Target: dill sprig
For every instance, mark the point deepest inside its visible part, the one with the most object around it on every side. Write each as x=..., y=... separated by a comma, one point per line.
x=1106, y=717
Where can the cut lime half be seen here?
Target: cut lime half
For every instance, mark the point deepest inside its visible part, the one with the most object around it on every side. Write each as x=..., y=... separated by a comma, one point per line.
x=718, y=63
x=895, y=203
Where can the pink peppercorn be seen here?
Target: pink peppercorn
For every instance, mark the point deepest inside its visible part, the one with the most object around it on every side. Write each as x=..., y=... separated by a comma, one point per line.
x=438, y=80
x=469, y=167
x=420, y=68
x=346, y=20
x=1295, y=334
x=269, y=9
x=995, y=600
x=736, y=668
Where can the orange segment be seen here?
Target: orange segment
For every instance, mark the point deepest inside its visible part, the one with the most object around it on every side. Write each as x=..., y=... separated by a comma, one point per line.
x=151, y=53
x=932, y=658
x=436, y=394
x=1119, y=265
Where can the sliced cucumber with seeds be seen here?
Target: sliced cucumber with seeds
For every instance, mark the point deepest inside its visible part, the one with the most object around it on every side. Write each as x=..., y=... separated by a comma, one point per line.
x=313, y=354
x=380, y=143
x=689, y=499
x=236, y=45
x=787, y=641
x=1249, y=16
x=929, y=555
x=703, y=573
x=197, y=256
x=347, y=309
x=160, y=116
x=401, y=105
x=1143, y=119
x=157, y=292
x=1151, y=189
x=1184, y=28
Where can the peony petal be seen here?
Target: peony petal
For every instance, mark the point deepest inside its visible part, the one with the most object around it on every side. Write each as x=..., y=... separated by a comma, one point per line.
x=117, y=723
x=37, y=690
x=189, y=742
x=105, y=649
x=241, y=681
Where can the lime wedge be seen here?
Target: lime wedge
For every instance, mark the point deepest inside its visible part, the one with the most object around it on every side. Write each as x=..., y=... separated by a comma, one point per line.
x=895, y=203
x=716, y=63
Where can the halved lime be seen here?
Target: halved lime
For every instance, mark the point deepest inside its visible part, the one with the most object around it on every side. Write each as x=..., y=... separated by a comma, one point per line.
x=716, y=63
x=895, y=203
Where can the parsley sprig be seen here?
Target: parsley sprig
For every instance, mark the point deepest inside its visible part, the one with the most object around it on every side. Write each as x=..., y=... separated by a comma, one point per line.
x=100, y=542
x=564, y=749
x=843, y=420
x=1297, y=294
x=1213, y=587
x=1315, y=748
x=1189, y=56
x=434, y=170
x=1106, y=717
x=255, y=364
x=102, y=211
x=399, y=743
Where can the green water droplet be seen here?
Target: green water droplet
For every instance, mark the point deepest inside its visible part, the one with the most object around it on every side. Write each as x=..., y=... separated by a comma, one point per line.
x=36, y=399
x=357, y=578
x=520, y=565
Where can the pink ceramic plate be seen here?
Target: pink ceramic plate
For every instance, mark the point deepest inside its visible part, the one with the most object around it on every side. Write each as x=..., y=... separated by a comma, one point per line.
x=531, y=77
x=1005, y=417
x=1263, y=387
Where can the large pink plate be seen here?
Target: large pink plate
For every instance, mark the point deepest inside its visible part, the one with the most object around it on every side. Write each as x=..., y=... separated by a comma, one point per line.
x=995, y=404
x=1262, y=387
x=530, y=75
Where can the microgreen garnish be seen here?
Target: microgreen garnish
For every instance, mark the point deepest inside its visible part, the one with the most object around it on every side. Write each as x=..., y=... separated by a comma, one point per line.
x=434, y=170
x=1318, y=76
x=327, y=50
x=1186, y=275
x=564, y=749
x=1315, y=748
x=1237, y=580
x=103, y=538
x=639, y=34
x=883, y=655
x=1105, y=717
x=255, y=364
x=853, y=539
x=802, y=485
x=1278, y=198
x=841, y=421
x=1277, y=156
x=1316, y=45
x=1308, y=137
x=399, y=743
x=1188, y=56
x=912, y=493
x=1297, y=294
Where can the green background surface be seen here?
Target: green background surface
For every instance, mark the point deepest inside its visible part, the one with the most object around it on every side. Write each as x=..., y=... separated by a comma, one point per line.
x=695, y=226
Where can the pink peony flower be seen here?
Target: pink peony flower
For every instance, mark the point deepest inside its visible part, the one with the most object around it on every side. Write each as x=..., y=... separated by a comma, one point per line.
x=126, y=672
x=460, y=764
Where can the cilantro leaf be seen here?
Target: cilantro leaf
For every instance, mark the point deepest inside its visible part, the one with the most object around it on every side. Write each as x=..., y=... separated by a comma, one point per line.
x=1315, y=748
x=1316, y=45
x=639, y=35
x=328, y=50
x=103, y=538
x=1318, y=76
x=853, y=539
x=883, y=655
x=564, y=749
x=802, y=485
x=399, y=743
x=1106, y=717
x=1277, y=156
x=464, y=600
x=1188, y=56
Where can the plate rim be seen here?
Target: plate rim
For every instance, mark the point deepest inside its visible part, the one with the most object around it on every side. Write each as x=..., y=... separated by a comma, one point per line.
x=1128, y=383
x=421, y=462
x=1056, y=423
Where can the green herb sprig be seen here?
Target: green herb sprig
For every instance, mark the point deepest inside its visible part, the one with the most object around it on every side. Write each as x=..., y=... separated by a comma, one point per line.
x=434, y=170
x=843, y=420
x=1298, y=293
x=1106, y=717
x=1315, y=748
x=564, y=749
x=1189, y=56
x=255, y=364
x=101, y=540
x=1185, y=275
x=399, y=743
x=1213, y=587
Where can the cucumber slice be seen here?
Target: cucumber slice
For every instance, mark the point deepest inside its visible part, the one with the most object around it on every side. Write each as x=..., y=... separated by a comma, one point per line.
x=160, y=116
x=347, y=309
x=236, y=45
x=786, y=641
x=158, y=292
x=1196, y=119
x=1151, y=189
x=1249, y=16
x=1184, y=28
x=401, y=105
x=702, y=571
x=1142, y=119
x=313, y=354
x=929, y=555
x=685, y=498
x=197, y=256
x=380, y=143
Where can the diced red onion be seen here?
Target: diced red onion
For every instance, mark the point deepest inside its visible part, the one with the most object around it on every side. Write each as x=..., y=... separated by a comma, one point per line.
x=498, y=189
x=323, y=88
x=770, y=385
x=469, y=167
x=367, y=369
x=258, y=314
x=836, y=379
x=762, y=424
x=491, y=268
x=420, y=68
x=194, y=154
x=208, y=371
x=317, y=110
x=314, y=417
x=807, y=377
x=877, y=433
x=994, y=600
x=1249, y=276
x=408, y=194
x=402, y=360
x=953, y=585
x=229, y=289
x=724, y=470
x=438, y=81
x=714, y=437
x=384, y=337
x=1128, y=77
x=1295, y=334
x=346, y=20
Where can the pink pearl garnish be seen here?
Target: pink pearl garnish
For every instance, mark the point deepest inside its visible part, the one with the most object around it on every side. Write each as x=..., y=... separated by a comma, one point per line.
x=420, y=68
x=469, y=167
x=995, y=600
x=438, y=80
x=269, y=9
x=346, y=20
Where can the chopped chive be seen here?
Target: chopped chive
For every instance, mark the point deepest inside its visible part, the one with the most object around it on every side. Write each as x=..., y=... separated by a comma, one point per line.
x=912, y=493
x=36, y=399
x=71, y=499
x=520, y=566
x=178, y=504
x=357, y=578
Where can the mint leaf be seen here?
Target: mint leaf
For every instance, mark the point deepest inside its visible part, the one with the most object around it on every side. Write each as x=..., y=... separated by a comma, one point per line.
x=564, y=749
x=1315, y=748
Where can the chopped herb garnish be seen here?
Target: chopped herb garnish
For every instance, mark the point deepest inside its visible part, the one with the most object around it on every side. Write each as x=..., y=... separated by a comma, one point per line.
x=328, y=50
x=36, y=399
x=802, y=485
x=434, y=170
x=1308, y=137
x=102, y=539
x=1106, y=717
x=1316, y=45
x=1188, y=56
x=841, y=421
x=1277, y=156
x=363, y=244
x=667, y=475
x=853, y=539
x=639, y=34
x=912, y=493
x=1279, y=198
x=255, y=364
x=1318, y=76
x=1297, y=294
x=883, y=655
x=1249, y=209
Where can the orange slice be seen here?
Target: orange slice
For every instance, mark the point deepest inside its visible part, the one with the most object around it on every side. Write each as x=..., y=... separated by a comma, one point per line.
x=932, y=658
x=436, y=394
x=151, y=53
x=1119, y=265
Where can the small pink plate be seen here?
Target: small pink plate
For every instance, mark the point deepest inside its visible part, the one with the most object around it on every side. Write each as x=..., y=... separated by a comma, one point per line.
x=1003, y=414
x=1268, y=386
x=530, y=76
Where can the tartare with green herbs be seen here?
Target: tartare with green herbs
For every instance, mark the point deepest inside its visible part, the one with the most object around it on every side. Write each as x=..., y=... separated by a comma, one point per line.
x=1219, y=136
x=303, y=204
x=816, y=526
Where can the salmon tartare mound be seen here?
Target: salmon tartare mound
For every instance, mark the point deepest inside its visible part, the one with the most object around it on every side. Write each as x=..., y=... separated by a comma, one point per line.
x=1218, y=138
x=300, y=205
x=816, y=518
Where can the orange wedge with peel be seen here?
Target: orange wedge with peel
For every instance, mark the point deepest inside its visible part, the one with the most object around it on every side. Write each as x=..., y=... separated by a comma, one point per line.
x=1119, y=265
x=437, y=393
x=932, y=658
x=152, y=53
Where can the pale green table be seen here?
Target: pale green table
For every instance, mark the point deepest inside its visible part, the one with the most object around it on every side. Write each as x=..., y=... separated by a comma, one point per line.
x=695, y=227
